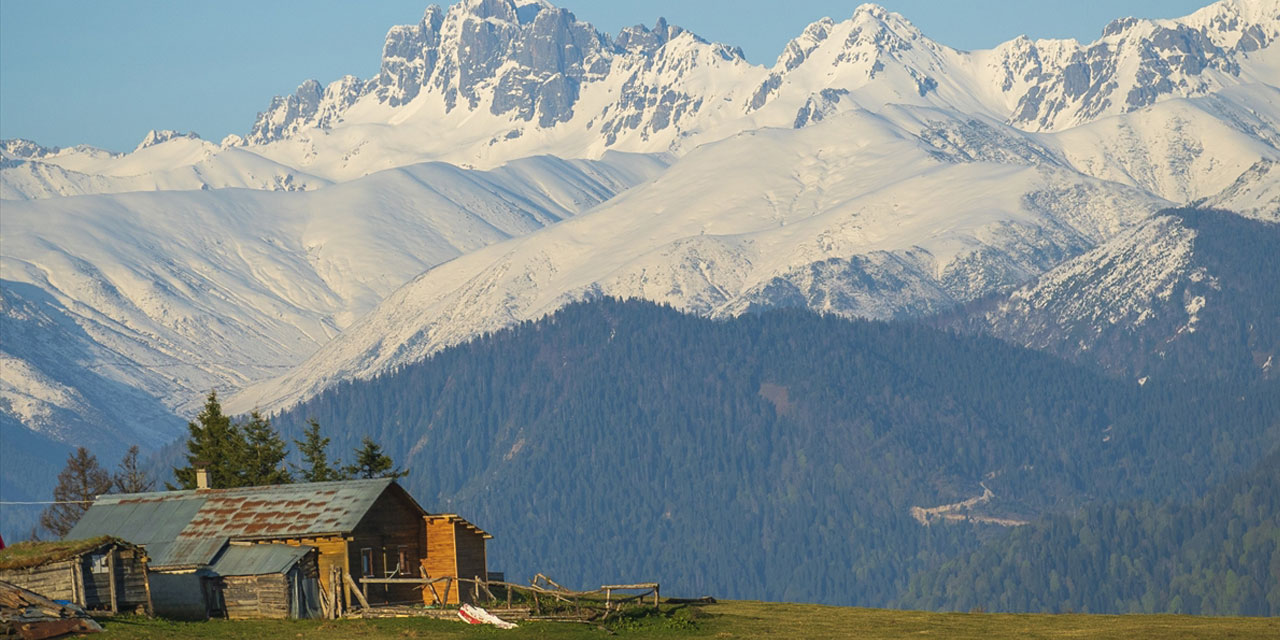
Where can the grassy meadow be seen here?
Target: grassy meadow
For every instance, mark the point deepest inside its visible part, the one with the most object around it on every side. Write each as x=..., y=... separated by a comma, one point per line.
x=729, y=620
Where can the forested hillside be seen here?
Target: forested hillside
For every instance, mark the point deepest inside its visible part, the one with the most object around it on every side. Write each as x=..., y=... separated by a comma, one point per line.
x=1218, y=555
x=775, y=456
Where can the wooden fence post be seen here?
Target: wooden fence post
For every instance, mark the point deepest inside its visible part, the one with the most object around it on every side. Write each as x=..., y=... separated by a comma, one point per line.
x=111, y=580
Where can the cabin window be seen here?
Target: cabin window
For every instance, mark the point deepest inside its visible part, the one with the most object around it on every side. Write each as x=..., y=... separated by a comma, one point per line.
x=402, y=560
x=366, y=562
x=98, y=563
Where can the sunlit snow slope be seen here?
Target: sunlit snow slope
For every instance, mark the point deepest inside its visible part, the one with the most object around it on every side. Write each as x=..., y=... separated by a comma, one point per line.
x=509, y=158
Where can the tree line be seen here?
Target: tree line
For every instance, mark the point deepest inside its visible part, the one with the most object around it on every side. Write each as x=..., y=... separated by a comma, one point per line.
x=247, y=453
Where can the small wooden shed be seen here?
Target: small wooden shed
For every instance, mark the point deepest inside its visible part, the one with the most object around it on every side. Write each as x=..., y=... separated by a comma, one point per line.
x=267, y=581
x=100, y=574
x=455, y=549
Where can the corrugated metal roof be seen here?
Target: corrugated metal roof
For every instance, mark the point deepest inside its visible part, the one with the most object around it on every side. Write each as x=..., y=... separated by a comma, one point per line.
x=258, y=559
x=188, y=528
x=138, y=521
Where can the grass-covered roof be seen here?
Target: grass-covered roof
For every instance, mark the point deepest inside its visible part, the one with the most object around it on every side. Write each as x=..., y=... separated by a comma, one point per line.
x=24, y=555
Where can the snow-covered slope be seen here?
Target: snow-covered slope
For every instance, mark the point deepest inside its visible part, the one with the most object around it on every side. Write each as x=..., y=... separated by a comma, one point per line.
x=162, y=162
x=858, y=215
x=175, y=293
x=1191, y=294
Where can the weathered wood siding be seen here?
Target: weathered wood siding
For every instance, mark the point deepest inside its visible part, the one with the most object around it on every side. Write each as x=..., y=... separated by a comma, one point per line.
x=332, y=551
x=85, y=580
x=54, y=580
x=130, y=578
x=391, y=524
x=471, y=559
x=264, y=596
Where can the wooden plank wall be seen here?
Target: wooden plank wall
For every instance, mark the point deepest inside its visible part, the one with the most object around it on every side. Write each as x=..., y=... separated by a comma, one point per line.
x=53, y=581
x=264, y=596
x=441, y=551
x=454, y=550
x=89, y=589
x=332, y=550
x=471, y=558
x=391, y=523
x=131, y=585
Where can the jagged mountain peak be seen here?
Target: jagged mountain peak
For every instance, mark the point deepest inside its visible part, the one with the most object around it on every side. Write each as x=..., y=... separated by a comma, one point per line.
x=158, y=136
x=23, y=148
x=642, y=39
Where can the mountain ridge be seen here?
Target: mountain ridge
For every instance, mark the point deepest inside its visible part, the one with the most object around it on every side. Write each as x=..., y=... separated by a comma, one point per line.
x=869, y=171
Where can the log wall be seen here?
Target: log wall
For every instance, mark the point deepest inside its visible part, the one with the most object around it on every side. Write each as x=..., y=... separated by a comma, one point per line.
x=85, y=580
x=54, y=581
x=263, y=596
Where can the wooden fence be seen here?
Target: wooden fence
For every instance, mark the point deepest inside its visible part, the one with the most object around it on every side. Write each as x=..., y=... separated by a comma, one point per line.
x=541, y=599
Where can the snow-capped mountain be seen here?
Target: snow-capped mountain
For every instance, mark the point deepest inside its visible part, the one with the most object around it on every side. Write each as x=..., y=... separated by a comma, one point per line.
x=176, y=293
x=1190, y=294
x=509, y=158
x=489, y=81
x=864, y=214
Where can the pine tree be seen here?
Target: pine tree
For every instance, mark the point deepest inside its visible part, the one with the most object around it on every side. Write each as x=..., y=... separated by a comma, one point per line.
x=314, y=451
x=217, y=444
x=79, y=483
x=130, y=478
x=264, y=454
x=371, y=462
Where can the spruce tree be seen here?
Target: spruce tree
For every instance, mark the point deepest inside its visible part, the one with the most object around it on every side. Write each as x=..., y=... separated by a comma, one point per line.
x=371, y=462
x=217, y=444
x=264, y=454
x=130, y=478
x=314, y=451
x=79, y=483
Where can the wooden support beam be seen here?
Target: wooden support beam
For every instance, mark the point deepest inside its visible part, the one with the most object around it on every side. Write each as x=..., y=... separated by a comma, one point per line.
x=325, y=604
x=364, y=601
x=111, y=580
x=146, y=582
x=338, y=587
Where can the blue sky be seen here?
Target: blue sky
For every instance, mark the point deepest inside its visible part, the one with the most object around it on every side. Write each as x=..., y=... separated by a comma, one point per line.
x=104, y=72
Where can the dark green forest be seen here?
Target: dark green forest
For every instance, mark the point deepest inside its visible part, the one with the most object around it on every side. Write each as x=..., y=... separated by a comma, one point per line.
x=1217, y=555
x=776, y=456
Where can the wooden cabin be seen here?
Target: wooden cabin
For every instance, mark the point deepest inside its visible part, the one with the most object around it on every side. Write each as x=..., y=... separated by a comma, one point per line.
x=99, y=574
x=357, y=529
x=455, y=549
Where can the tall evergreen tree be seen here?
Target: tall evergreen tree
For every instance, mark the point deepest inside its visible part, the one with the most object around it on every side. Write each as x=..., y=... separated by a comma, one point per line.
x=79, y=483
x=315, y=455
x=217, y=444
x=371, y=462
x=264, y=454
x=129, y=477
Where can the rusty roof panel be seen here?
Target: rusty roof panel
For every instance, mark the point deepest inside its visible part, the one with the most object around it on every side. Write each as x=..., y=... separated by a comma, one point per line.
x=188, y=528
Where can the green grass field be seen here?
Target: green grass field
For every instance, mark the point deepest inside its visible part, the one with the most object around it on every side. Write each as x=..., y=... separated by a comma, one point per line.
x=730, y=620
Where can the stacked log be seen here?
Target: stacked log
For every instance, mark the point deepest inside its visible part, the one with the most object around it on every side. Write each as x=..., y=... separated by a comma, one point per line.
x=28, y=615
